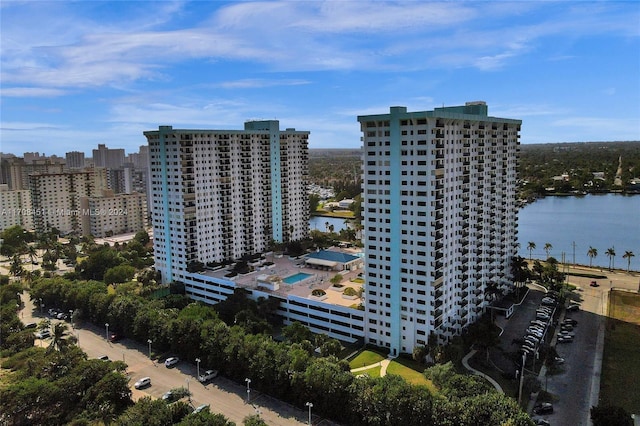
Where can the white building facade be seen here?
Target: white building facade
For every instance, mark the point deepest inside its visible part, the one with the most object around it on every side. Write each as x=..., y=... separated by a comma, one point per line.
x=440, y=223
x=15, y=208
x=113, y=214
x=217, y=195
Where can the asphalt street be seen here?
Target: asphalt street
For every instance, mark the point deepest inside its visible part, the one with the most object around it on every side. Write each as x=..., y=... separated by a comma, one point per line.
x=222, y=395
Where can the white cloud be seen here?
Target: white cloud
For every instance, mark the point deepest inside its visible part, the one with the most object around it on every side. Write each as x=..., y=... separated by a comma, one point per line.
x=25, y=92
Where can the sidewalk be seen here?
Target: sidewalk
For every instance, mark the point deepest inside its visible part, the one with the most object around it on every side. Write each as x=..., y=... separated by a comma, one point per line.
x=465, y=363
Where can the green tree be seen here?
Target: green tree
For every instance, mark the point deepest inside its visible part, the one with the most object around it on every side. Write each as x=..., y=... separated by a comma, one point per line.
x=336, y=279
x=119, y=274
x=296, y=332
x=611, y=254
x=14, y=241
x=314, y=200
x=592, y=252
x=98, y=262
x=59, y=336
x=253, y=420
x=142, y=237
x=531, y=246
x=16, y=268
x=205, y=418
x=628, y=255
x=547, y=249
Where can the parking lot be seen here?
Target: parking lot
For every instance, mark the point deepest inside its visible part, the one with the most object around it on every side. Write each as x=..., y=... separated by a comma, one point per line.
x=571, y=384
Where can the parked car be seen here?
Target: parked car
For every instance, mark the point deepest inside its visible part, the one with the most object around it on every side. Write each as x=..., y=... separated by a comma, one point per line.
x=570, y=321
x=143, y=383
x=114, y=337
x=566, y=333
x=61, y=316
x=538, y=322
x=541, y=422
x=169, y=362
x=565, y=339
x=200, y=408
x=573, y=307
x=567, y=327
x=558, y=360
x=594, y=284
x=103, y=358
x=544, y=408
x=44, y=334
x=208, y=375
x=31, y=325
x=548, y=302
x=169, y=396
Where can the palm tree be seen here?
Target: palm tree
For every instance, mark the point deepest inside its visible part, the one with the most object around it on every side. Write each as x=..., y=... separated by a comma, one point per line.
x=592, y=252
x=628, y=255
x=611, y=253
x=33, y=254
x=16, y=268
x=58, y=336
x=547, y=248
x=531, y=246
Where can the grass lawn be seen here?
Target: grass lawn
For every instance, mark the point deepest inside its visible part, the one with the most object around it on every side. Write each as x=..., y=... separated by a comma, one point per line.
x=345, y=214
x=620, y=372
x=411, y=372
x=364, y=358
x=372, y=372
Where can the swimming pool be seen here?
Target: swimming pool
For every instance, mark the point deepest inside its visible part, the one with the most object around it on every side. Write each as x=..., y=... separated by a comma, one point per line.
x=292, y=279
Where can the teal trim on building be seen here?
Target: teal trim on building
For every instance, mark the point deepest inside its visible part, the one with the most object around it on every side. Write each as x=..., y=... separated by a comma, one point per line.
x=162, y=133
x=395, y=165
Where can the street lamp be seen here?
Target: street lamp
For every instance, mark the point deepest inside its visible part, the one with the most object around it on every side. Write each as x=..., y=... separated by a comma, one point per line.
x=107, y=327
x=71, y=318
x=188, y=392
x=41, y=304
x=524, y=359
x=198, y=364
x=310, y=405
x=149, y=342
x=248, y=389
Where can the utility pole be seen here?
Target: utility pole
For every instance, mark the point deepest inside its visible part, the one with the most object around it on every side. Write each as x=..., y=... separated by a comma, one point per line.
x=574, y=252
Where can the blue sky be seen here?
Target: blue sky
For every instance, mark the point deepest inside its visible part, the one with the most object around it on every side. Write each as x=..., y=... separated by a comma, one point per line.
x=76, y=74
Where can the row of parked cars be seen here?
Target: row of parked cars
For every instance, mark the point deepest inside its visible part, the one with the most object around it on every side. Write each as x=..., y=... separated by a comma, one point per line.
x=537, y=330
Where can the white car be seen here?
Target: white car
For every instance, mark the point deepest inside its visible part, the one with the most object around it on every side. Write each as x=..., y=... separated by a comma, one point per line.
x=171, y=361
x=142, y=383
x=201, y=408
x=44, y=334
x=208, y=375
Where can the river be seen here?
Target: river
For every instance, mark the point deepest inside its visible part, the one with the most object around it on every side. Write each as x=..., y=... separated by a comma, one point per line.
x=571, y=225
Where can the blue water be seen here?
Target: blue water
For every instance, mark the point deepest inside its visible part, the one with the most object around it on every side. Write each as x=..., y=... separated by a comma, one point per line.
x=292, y=279
x=599, y=221
x=320, y=223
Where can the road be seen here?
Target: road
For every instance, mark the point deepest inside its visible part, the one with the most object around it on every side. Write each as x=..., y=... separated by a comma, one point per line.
x=223, y=396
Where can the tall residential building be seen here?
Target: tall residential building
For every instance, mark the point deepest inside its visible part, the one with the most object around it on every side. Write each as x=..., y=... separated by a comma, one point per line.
x=15, y=208
x=440, y=219
x=107, y=157
x=56, y=198
x=75, y=160
x=113, y=214
x=217, y=195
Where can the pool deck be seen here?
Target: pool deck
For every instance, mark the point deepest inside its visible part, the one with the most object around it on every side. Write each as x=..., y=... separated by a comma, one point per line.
x=285, y=267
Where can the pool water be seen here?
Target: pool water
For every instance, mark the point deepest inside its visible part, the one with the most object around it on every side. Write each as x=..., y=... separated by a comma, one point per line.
x=292, y=279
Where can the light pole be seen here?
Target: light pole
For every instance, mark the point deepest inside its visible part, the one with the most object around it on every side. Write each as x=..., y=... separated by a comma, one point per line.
x=524, y=359
x=188, y=392
x=122, y=356
x=198, y=366
x=149, y=342
x=248, y=380
x=310, y=405
x=41, y=304
x=106, y=324
x=71, y=318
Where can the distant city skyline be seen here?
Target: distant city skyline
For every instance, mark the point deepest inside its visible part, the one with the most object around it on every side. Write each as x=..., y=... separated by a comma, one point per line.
x=78, y=74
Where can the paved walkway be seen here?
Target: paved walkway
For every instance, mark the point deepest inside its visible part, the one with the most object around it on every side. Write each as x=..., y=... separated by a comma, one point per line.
x=465, y=363
x=383, y=364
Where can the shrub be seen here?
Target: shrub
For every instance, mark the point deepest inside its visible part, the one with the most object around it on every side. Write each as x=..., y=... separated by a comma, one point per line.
x=318, y=292
x=349, y=291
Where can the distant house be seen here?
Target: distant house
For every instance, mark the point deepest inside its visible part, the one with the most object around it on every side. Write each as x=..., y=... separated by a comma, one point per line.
x=598, y=175
x=346, y=203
